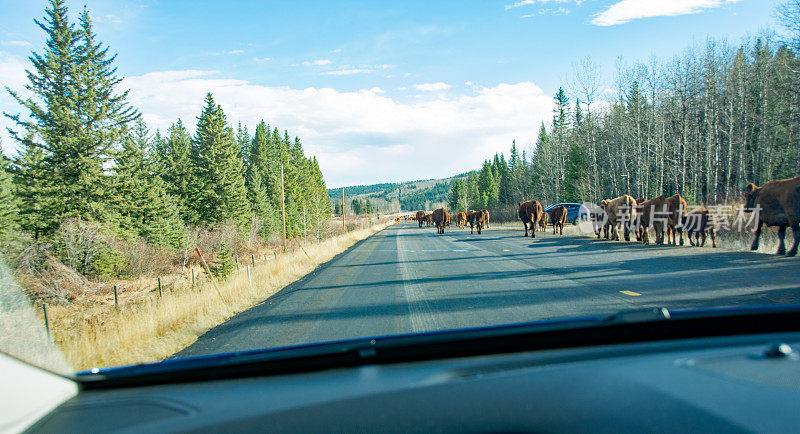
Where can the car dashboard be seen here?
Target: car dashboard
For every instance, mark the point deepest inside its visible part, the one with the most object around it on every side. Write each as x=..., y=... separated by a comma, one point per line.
x=739, y=383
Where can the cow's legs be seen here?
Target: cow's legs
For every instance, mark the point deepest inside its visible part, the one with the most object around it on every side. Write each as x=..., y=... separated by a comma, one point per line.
x=680, y=235
x=757, y=236
x=796, y=233
x=714, y=238
x=781, y=236
x=526, y=228
x=703, y=235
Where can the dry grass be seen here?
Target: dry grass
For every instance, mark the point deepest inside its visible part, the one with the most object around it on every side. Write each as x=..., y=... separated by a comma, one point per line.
x=149, y=328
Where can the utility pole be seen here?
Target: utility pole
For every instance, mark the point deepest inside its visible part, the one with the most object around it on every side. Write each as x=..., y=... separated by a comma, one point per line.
x=343, y=208
x=283, y=211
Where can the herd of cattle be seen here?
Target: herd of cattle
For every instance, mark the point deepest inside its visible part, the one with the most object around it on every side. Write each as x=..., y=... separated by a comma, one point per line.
x=776, y=202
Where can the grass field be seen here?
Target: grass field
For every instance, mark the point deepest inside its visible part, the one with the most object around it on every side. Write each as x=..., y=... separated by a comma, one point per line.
x=150, y=328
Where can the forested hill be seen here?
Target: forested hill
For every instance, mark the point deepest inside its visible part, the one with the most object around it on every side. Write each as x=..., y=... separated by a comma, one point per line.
x=397, y=196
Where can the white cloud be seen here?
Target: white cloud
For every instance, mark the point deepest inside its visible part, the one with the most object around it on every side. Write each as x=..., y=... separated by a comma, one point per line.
x=520, y=3
x=262, y=59
x=530, y=2
x=16, y=43
x=236, y=52
x=429, y=87
x=318, y=62
x=627, y=10
x=347, y=71
x=358, y=137
x=362, y=136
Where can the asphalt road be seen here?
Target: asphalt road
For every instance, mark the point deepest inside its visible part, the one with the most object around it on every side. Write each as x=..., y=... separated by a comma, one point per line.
x=406, y=279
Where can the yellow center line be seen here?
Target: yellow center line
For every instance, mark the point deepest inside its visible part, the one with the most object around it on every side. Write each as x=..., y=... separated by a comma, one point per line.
x=506, y=250
x=631, y=293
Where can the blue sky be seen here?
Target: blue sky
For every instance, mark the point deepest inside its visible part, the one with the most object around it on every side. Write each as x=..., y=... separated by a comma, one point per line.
x=379, y=91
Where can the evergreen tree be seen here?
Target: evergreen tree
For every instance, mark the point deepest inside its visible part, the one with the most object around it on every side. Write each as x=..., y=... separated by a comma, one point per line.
x=216, y=191
x=33, y=182
x=8, y=201
x=75, y=115
x=487, y=187
x=575, y=179
x=223, y=264
x=174, y=166
x=145, y=209
x=454, y=195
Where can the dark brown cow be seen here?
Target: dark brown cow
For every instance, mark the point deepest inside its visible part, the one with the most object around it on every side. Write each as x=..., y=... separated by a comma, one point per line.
x=558, y=216
x=428, y=219
x=440, y=218
x=621, y=213
x=530, y=212
x=420, y=217
x=676, y=206
x=477, y=219
x=655, y=213
x=486, y=214
x=697, y=223
x=778, y=204
x=543, y=222
x=461, y=220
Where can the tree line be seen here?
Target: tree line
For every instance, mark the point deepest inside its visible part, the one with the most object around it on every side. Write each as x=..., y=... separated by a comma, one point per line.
x=87, y=157
x=703, y=123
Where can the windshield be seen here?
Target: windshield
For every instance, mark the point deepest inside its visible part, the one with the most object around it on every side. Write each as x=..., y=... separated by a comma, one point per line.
x=183, y=179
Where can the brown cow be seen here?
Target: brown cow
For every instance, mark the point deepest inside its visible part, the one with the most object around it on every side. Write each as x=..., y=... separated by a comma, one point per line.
x=530, y=212
x=447, y=223
x=461, y=220
x=558, y=216
x=621, y=213
x=778, y=204
x=697, y=223
x=655, y=213
x=676, y=206
x=486, y=214
x=420, y=217
x=543, y=222
x=428, y=219
x=440, y=218
x=477, y=219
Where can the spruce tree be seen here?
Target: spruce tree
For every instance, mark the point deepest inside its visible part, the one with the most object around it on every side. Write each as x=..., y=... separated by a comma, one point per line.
x=174, y=166
x=75, y=114
x=8, y=201
x=216, y=191
x=33, y=182
x=140, y=199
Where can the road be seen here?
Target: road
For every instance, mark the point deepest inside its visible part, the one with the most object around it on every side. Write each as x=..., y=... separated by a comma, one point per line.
x=406, y=279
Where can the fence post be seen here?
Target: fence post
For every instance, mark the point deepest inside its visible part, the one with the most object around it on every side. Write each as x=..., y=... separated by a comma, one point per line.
x=46, y=321
x=236, y=259
x=192, y=278
x=159, y=287
x=249, y=277
x=116, y=300
x=253, y=259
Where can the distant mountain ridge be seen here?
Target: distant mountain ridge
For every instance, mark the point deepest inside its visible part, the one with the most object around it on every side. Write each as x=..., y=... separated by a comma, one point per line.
x=413, y=195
